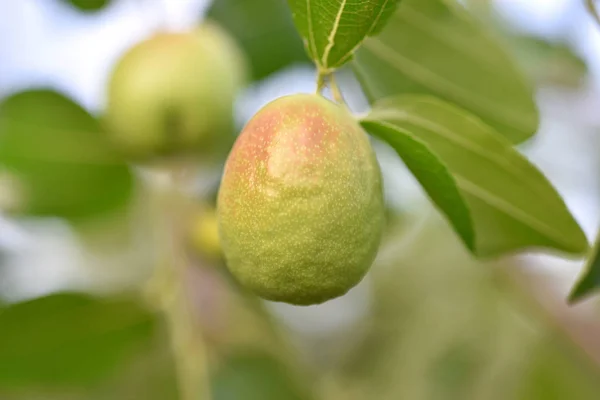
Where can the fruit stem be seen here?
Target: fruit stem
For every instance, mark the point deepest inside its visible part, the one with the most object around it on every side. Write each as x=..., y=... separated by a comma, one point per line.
x=325, y=79
x=173, y=296
x=321, y=81
x=335, y=90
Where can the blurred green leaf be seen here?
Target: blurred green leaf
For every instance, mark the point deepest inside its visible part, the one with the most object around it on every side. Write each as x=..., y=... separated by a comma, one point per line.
x=89, y=5
x=435, y=47
x=590, y=280
x=473, y=336
x=151, y=374
x=512, y=204
x=454, y=370
x=557, y=373
x=69, y=340
x=254, y=376
x=334, y=29
x=265, y=31
x=62, y=164
x=546, y=62
x=435, y=178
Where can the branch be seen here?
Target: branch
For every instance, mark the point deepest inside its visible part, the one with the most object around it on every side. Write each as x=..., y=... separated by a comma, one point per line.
x=170, y=292
x=593, y=9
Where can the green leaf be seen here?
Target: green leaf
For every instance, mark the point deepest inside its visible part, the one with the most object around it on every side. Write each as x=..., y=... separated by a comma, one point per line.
x=547, y=62
x=89, y=5
x=435, y=47
x=265, y=31
x=333, y=29
x=452, y=372
x=435, y=178
x=558, y=372
x=590, y=280
x=512, y=204
x=59, y=158
x=255, y=376
x=68, y=340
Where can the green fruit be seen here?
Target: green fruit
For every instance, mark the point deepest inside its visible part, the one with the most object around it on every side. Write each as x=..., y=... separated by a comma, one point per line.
x=174, y=93
x=204, y=233
x=300, y=206
x=89, y=5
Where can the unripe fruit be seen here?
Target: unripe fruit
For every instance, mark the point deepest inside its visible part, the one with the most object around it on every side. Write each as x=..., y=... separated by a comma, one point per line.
x=174, y=93
x=89, y=5
x=300, y=206
x=204, y=233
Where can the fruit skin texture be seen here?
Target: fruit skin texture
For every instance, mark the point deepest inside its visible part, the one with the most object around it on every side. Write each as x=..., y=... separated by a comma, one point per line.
x=173, y=93
x=300, y=207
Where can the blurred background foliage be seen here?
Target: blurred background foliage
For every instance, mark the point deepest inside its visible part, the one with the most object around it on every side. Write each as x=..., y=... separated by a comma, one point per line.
x=78, y=239
x=265, y=30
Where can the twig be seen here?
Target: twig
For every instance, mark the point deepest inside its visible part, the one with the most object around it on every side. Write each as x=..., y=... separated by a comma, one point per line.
x=325, y=79
x=335, y=90
x=171, y=293
x=321, y=81
x=593, y=9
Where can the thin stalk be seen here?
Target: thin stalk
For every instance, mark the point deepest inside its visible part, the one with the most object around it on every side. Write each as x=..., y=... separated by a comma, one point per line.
x=593, y=9
x=170, y=290
x=186, y=340
x=335, y=90
x=321, y=81
x=328, y=79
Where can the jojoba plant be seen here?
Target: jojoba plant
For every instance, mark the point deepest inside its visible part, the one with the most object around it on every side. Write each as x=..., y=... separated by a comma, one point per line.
x=299, y=214
x=173, y=93
x=301, y=206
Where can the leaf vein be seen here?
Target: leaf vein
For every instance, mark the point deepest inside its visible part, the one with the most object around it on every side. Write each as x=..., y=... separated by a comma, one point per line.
x=426, y=77
x=448, y=134
x=418, y=20
x=311, y=35
x=331, y=37
x=507, y=208
x=349, y=54
x=476, y=190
